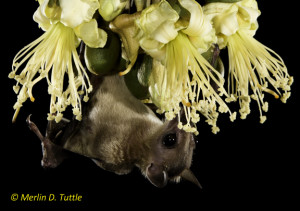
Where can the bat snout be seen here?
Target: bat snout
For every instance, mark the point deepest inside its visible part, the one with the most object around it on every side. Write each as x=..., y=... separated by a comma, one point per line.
x=157, y=175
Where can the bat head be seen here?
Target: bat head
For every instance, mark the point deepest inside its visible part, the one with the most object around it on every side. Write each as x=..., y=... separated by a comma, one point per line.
x=170, y=157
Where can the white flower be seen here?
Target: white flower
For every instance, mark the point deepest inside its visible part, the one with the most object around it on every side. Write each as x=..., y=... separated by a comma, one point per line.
x=53, y=56
x=251, y=64
x=175, y=36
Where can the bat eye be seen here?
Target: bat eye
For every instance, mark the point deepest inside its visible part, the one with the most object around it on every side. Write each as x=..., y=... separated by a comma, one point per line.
x=170, y=140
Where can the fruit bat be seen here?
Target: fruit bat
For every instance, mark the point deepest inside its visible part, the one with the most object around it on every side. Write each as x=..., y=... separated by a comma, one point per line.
x=119, y=132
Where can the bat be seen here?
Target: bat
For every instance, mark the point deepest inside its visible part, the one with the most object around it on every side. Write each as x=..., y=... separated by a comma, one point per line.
x=119, y=132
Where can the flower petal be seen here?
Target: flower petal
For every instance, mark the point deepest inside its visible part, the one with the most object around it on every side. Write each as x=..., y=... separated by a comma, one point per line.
x=91, y=34
x=224, y=19
x=51, y=10
x=229, y=17
x=153, y=48
x=248, y=14
x=76, y=12
x=196, y=17
x=158, y=22
x=109, y=9
x=205, y=39
x=165, y=32
x=40, y=1
x=194, y=23
x=227, y=23
x=41, y=19
x=156, y=28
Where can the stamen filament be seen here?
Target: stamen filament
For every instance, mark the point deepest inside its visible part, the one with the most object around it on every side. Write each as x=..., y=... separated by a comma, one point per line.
x=268, y=91
x=251, y=63
x=55, y=53
x=16, y=115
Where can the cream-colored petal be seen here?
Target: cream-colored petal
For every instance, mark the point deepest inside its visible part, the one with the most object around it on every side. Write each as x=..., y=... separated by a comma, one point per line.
x=203, y=43
x=227, y=23
x=216, y=13
x=109, y=9
x=51, y=10
x=153, y=21
x=165, y=32
x=40, y=1
x=196, y=17
x=194, y=23
x=248, y=3
x=248, y=14
x=205, y=38
x=213, y=9
x=91, y=34
x=76, y=12
x=229, y=17
x=41, y=19
x=157, y=27
x=153, y=48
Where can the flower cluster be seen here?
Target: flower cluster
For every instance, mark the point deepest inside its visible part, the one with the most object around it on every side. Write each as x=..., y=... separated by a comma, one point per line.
x=54, y=56
x=251, y=64
x=181, y=37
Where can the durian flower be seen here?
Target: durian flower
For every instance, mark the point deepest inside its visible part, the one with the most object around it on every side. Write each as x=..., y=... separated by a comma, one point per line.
x=251, y=64
x=175, y=36
x=53, y=56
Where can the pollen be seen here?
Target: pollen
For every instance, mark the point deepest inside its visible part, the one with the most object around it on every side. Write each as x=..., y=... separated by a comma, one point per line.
x=185, y=103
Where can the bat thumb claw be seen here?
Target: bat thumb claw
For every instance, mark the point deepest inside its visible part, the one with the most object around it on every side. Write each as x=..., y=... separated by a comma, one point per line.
x=34, y=128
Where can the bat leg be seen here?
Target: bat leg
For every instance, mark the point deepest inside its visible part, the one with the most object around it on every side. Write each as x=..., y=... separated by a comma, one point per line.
x=53, y=155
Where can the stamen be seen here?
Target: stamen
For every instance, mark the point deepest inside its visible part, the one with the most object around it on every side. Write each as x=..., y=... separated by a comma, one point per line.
x=187, y=78
x=15, y=115
x=268, y=91
x=251, y=63
x=129, y=67
x=126, y=71
x=43, y=56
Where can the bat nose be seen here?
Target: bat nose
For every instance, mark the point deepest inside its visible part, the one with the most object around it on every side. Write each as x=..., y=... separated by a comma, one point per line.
x=157, y=176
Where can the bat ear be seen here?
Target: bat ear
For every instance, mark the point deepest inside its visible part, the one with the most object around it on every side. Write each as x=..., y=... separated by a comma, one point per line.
x=188, y=175
x=157, y=176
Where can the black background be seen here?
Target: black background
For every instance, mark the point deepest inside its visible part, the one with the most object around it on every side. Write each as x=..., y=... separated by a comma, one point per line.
x=247, y=164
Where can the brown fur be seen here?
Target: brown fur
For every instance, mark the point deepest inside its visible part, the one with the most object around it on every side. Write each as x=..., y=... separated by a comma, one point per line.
x=119, y=132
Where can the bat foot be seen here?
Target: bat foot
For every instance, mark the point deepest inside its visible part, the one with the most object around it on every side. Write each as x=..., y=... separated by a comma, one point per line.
x=53, y=155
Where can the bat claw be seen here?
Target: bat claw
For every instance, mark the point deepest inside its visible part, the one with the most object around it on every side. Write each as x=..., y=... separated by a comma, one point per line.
x=52, y=155
x=34, y=128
